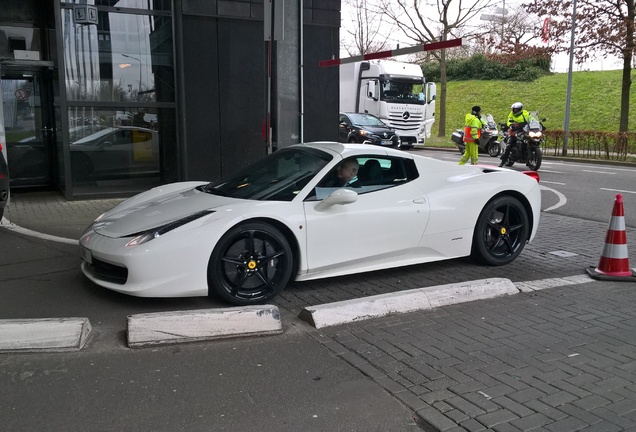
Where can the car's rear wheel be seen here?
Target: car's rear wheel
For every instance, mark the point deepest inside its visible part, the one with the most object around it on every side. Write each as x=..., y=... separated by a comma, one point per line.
x=501, y=232
x=251, y=264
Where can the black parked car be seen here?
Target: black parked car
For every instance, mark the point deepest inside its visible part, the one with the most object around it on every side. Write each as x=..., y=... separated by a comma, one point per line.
x=367, y=129
x=4, y=183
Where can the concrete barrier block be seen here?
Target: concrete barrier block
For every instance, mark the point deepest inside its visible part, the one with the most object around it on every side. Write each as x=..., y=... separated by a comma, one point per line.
x=44, y=334
x=331, y=314
x=205, y=324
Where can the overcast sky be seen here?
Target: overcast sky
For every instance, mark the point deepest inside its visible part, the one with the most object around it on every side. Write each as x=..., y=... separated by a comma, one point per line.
x=560, y=62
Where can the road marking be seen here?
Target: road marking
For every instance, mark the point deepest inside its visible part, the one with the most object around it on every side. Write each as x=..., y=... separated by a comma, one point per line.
x=599, y=172
x=6, y=223
x=552, y=172
x=557, y=183
x=562, y=199
x=618, y=190
x=604, y=167
x=552, y=283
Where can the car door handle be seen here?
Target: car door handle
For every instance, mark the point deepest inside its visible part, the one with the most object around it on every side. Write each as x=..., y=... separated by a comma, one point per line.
x=420, y=200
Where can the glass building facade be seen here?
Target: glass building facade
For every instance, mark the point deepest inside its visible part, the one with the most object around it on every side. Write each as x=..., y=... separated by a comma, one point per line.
x=112, y=97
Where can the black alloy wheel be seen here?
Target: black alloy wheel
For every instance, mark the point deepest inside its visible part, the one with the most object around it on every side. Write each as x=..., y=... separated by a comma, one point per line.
x=534, y=158
x=250, y=264
x=502, y=230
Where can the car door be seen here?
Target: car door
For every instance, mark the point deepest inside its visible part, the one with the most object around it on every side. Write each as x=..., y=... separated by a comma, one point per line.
x=388, y=217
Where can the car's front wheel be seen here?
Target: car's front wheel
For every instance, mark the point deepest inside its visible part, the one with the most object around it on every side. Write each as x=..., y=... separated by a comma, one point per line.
x=502, y=229
x=250, y=264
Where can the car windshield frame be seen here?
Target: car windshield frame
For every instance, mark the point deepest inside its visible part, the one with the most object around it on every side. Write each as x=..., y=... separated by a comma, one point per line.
x=279, y=176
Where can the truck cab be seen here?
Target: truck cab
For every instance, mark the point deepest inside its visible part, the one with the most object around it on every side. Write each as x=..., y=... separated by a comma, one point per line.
x=395, y=92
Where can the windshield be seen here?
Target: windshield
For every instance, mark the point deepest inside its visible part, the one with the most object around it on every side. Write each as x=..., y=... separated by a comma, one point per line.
x=534, y=123
x=95, y=136
x=278, y=176
x=402, y=91
x=366, y=120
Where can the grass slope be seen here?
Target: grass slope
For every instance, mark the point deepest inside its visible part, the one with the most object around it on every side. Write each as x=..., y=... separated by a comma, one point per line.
x=595, y=102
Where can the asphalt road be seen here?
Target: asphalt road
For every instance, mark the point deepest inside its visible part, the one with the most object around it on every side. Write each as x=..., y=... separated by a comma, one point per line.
x=584, y=190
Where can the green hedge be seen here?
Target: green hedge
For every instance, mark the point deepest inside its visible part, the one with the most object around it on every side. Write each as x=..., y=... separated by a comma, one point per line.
x=494, y=67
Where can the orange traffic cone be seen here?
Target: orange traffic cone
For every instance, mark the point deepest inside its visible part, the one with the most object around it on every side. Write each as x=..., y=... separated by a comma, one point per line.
x=614, y=262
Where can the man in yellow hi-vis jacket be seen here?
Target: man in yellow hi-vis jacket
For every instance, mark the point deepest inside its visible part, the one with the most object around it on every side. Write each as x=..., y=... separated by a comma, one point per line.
x=472, y=131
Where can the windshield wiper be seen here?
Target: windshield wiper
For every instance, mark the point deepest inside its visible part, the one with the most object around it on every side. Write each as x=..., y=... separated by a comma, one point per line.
x=212, y=191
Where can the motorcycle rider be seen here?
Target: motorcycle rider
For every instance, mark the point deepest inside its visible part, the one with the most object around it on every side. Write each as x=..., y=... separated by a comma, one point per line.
x=472, y=131
x=517, y=116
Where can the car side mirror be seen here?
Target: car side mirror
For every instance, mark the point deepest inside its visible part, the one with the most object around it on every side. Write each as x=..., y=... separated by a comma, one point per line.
x=339, y=196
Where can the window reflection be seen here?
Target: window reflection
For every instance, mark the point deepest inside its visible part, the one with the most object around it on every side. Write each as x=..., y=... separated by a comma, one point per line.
x=124, y=58
x=163, y=5
x=114, y=147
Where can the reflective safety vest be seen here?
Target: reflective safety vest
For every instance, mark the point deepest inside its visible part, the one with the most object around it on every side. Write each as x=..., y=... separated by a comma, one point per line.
x=468, y=133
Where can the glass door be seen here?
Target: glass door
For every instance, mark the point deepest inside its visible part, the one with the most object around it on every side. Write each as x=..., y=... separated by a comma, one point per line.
x=29, y=129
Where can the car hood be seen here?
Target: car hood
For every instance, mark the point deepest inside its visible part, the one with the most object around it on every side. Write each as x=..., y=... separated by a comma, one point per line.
x=377, y=129
x=126, y=220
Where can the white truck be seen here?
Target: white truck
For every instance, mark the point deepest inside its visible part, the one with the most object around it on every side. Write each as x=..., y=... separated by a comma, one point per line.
x=395, y=92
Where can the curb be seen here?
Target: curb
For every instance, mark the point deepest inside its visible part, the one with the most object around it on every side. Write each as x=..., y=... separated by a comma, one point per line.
x=44, y=334
x=205, y=324
x=348, y=311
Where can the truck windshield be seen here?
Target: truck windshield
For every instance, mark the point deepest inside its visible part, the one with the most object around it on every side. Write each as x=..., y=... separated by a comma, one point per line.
x=397, y=91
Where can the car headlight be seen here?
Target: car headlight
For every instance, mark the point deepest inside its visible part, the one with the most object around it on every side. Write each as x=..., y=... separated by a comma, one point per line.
x=146, y=236
x=535, y=134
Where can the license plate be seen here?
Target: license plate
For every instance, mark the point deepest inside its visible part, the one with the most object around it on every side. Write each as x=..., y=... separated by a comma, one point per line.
x=386, y=142
x=87, y=256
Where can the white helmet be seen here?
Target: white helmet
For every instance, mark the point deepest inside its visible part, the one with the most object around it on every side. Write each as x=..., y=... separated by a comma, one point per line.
x=516, y=107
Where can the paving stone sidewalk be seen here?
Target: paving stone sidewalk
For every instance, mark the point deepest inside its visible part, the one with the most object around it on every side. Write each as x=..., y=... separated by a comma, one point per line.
x=560, y=359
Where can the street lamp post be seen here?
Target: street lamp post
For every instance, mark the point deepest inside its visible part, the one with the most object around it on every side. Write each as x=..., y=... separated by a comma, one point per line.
x=568, y=93
x=135, y=58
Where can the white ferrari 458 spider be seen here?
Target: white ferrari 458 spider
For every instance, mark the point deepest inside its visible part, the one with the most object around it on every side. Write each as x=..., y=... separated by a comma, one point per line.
x=289, y=217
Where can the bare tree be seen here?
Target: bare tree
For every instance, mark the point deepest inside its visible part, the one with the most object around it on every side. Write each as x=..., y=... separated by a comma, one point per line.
x=602, y=26
x=426, y=21
x=364, y=27
x=512, y=29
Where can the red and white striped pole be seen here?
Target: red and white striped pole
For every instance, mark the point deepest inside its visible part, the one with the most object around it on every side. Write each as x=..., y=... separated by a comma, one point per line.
x=392, y=53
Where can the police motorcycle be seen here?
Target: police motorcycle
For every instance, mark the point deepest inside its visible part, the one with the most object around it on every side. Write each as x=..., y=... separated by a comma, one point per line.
x=524, y=141
x=488, y=141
